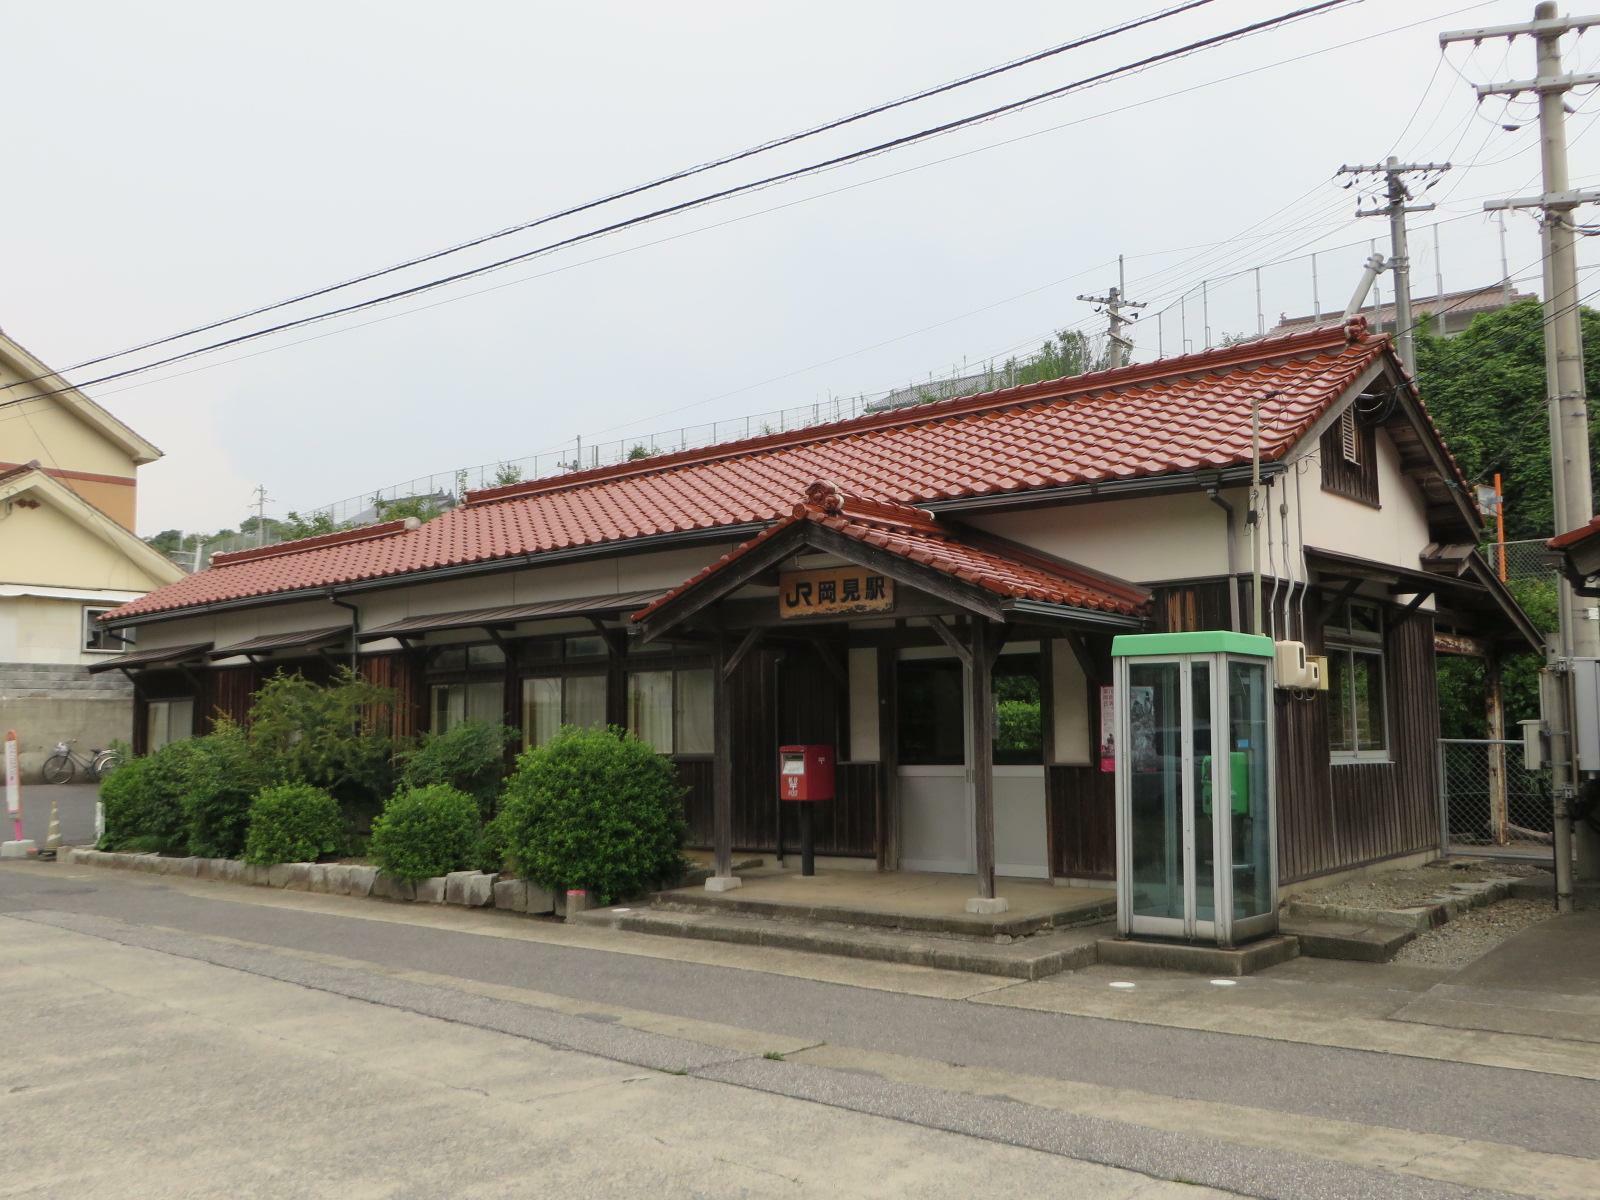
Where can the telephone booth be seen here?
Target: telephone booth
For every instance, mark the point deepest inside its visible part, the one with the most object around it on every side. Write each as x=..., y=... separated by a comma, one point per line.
x=1196, y=820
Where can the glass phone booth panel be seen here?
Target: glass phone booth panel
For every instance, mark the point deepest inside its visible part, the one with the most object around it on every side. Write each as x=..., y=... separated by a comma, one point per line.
x=1196, y=843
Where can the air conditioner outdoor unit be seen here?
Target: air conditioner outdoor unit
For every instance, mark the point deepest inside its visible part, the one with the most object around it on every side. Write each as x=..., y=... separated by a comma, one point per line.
x=1293, y=671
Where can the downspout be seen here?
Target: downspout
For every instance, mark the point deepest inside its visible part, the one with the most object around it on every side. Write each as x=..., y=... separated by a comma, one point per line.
x=1214, y=495
x=355, y=625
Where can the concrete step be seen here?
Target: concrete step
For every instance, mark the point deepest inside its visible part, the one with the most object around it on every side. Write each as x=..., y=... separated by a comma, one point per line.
x=1205, y=960
x=947, y=925
x=1035, y=957
x=1353, y=941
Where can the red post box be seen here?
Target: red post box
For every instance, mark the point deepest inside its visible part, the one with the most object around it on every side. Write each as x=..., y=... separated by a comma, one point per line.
x=805, y=772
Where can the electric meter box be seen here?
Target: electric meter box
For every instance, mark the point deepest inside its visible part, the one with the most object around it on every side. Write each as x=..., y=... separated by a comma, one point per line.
x=805, y=773
x=1586, y=714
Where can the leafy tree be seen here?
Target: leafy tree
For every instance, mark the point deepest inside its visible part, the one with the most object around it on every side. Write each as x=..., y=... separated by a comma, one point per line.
x=1485, y=388
x=639, y=451
x=336, y=737
x=424, y=508
x=294, y=526
x=507, y=473
x=1068, y=353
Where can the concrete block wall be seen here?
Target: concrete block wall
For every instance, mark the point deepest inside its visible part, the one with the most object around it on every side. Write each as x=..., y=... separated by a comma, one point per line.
x=51, y=702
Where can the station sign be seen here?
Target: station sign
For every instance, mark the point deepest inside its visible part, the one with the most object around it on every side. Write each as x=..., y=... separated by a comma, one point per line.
x=834, y=591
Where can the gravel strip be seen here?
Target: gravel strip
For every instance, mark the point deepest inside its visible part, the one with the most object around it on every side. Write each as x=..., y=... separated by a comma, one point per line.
x=1418, y=885
x=1472, y=934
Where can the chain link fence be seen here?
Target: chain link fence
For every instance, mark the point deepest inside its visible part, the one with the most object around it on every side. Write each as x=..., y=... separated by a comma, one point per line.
x=1489, y=799
x=1522, y=560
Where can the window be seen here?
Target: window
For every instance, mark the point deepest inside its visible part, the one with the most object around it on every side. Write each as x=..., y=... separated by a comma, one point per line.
x=98, y=638
x=931, y=711
x=672, y=710
x=1018, y=709
x=551, y=701
x=168, y=721
x=467, y=658
x=453, y=703
x=1357, y=711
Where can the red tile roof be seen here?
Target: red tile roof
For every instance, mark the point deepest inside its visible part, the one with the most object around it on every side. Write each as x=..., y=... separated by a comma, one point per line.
x=1170, y=416
x=1564, y=541
x=1003, y=568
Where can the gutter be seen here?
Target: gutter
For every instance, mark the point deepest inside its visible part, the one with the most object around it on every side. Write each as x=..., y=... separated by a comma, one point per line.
x=1214, y=495
x=355, y=627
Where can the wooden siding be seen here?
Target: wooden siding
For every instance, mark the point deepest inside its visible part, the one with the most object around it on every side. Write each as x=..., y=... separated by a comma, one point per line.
x=779, y=703
x=1332, y=816
x=1354, y=481
x=401, y=672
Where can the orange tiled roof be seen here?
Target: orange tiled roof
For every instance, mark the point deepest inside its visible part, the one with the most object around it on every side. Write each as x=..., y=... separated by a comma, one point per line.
x=1171, y=416
x=1004, y=569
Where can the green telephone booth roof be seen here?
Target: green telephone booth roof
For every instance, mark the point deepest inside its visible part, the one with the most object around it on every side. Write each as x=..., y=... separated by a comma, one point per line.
x=1205, y=641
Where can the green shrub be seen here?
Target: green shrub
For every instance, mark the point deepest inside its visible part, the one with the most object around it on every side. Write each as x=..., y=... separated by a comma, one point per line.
x=292, y=822
x=220, y=779
x=597, y=809
x=336, y=736
x=470, y=757
x=143, y=801
x=426, y=831
x=494, y=847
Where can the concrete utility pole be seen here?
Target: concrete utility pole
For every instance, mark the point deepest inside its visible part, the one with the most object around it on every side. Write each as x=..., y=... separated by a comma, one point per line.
x=261, y=514
x=1564, y=388
x=1394, y=172
x=1112, y=305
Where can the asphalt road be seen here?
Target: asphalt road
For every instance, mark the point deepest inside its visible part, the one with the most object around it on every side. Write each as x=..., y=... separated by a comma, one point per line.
x=1430, y=1102
x=74, y=802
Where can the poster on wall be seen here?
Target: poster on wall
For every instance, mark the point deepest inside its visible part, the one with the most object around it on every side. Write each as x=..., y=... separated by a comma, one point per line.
x=1144, y=750
x=1108, y=725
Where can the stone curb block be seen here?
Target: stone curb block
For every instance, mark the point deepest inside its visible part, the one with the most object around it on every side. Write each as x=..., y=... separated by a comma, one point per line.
x=389, y=887
x=431, y=891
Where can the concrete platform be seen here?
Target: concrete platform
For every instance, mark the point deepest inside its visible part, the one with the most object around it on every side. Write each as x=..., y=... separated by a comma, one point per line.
x=1035, y=957
x=1207, y=960
x=1353, y=941
x=918, y=902
x=1542, y=982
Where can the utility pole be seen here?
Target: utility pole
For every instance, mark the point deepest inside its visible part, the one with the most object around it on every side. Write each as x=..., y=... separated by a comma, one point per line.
x=1394, y=172
x=1112, y=304
x=261, y=513
x=1579, y=636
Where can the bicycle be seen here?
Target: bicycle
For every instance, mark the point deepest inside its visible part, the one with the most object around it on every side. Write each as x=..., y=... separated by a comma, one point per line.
x=66, y=762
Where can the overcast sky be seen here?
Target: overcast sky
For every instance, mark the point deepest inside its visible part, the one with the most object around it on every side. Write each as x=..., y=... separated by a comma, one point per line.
x=175, y=163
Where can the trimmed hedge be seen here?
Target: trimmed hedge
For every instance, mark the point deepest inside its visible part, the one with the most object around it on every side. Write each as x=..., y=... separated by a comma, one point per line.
x=293, y=822
x=597, y=809
x=220, y=780
x=426, y=831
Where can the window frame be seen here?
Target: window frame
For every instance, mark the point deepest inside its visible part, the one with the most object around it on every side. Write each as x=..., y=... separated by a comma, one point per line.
x=88, y=628
x=562, y=676
x=676, y=669
x=1344, y=641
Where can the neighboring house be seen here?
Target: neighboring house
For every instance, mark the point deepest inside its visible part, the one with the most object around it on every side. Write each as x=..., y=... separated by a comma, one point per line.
x=67, y=554
x=1023, y=528
x=1456, y=311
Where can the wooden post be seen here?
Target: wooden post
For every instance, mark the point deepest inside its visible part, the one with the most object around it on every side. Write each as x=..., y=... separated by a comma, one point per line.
x=983, y=754
x=721, y=772
x=888, y=762
x=1499, y=817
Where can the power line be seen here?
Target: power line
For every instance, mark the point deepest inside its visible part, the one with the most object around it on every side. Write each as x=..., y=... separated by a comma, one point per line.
x=1240, y=32
x=674, y=177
